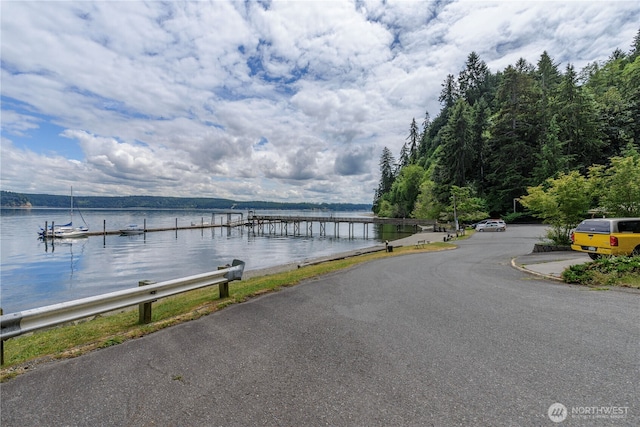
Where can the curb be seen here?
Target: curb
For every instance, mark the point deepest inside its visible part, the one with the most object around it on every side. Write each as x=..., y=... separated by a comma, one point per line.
x=534, y=273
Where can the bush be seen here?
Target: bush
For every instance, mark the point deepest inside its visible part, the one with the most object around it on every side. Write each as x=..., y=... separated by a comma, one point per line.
x=603, y=271
x=559, y=235
x=520, y=218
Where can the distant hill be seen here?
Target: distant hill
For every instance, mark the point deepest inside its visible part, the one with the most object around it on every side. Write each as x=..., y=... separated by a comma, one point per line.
x=13, y=200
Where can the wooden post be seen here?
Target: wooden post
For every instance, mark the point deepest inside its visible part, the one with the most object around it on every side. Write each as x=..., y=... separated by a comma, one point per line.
x=2, y=341
x=144, y=309
x=223, y=288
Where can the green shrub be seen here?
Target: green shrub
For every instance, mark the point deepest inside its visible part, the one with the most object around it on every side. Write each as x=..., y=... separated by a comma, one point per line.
x=559, y=235
x=604, y=271
x=520, y=218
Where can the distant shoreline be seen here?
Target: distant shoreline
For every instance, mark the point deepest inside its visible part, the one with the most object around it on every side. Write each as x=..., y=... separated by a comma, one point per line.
x=13, y=200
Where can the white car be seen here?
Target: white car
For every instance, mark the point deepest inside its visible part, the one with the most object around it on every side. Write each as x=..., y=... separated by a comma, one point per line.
x=475, y=226
x=492, y=225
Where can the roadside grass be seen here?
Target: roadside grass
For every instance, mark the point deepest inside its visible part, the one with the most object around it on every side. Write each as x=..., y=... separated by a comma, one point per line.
x=23, y=352
x=602, y=273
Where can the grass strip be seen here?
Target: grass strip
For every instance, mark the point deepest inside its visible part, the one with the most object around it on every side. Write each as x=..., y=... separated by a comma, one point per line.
x=25, y=351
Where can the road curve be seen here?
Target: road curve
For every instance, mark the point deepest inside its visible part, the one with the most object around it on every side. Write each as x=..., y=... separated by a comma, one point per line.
x=453, y=338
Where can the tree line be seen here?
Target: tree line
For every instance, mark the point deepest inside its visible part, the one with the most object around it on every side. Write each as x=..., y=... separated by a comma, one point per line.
x=498, y=134
x=9, y=199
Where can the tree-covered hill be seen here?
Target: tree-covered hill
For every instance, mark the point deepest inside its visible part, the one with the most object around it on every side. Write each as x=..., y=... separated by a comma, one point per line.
x=498, y=134
x=9, y=199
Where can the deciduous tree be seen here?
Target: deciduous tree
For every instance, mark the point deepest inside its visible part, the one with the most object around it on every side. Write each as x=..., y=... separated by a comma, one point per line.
x=618, y=186
x=561, y=202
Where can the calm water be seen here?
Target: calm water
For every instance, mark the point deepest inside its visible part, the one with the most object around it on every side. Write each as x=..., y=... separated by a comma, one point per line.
x=35, y=273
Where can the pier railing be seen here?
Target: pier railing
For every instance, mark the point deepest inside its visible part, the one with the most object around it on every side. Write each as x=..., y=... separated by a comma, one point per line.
x=266, y=224
x=331, y=218
x=15, y=324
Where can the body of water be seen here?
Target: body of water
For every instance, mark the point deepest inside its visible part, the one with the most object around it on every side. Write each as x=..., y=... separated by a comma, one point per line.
x=35, y=273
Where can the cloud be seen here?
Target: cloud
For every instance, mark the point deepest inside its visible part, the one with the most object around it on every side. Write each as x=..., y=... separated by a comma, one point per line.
x=18, y=124
x=253, y=100
x=354, y=162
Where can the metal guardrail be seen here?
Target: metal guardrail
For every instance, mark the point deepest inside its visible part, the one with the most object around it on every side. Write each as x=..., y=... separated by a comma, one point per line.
x=14, y=324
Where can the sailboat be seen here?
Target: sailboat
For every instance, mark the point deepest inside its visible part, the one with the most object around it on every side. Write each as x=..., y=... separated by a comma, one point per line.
x=65, y=230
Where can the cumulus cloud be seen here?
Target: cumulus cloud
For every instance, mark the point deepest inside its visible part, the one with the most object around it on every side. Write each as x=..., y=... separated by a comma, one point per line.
x=289, y=101
x=352, y=162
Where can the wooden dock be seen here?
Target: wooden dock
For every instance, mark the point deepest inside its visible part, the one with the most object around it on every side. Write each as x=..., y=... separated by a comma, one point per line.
x=230, y=223
x=269, y=224
x=285, y=225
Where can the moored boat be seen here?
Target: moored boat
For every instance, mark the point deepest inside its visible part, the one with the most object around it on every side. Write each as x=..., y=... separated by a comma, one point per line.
x=131, y=229
x=66, y=230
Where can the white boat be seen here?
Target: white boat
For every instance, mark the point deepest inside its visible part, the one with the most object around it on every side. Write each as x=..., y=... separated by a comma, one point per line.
x=132, y=229
x=65, y=230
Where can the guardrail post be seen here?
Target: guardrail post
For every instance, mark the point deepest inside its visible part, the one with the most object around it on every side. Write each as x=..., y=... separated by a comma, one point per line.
x=144, y=309
x=223, y=288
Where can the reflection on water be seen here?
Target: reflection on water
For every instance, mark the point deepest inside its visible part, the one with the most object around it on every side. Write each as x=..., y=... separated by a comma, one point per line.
x=37, y=272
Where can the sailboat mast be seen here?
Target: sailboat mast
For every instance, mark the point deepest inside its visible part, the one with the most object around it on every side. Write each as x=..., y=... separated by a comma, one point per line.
x=71, y=208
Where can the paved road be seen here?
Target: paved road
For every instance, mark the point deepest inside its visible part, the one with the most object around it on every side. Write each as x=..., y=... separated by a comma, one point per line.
x=455, y=338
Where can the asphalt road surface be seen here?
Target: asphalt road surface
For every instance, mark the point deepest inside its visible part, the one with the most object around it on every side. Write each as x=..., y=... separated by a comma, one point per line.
x=454, y=338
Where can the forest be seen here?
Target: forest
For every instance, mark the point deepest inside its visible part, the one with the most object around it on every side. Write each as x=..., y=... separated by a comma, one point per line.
x=18, y=200
x=499, y=134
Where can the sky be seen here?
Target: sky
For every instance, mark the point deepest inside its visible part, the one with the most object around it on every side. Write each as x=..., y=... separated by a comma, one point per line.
x=286, y=101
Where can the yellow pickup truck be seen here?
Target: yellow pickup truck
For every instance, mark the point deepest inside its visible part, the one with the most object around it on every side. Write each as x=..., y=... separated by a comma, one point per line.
x=607, y=236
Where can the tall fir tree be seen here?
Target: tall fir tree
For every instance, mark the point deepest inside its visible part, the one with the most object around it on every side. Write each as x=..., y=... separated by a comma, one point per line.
x=413, y=139
x=449, y=93
x=423, y=147
x=480, y=115
x=578, y=122
x=513, y=141
x=404, y=159
x=387, y=176
x=457, y=150
x=473, y=79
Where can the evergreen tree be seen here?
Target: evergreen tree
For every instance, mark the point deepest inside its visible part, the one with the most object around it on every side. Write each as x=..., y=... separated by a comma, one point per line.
x=605, y=85
x=472, y=80
x=522, y=66
x=577, y=121
x=404, y=158
x=413, y=141
x=449, y=93
x=423, y=148
x=547, y=75
x=457, y=150
x=635, y=48
x=550, y=158
x=513, y=142
x=387, y=176
x=631, y=99
x=480, y=114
